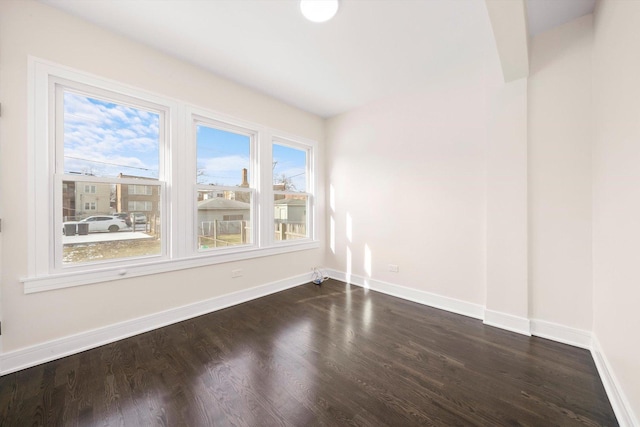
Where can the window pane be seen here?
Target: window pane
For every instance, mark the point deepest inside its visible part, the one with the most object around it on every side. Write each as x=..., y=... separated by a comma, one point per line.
x=139, y=205
x=223, y=157
x=290, y=216
x=224, y=218
x=140, y=189
x=105, y=139
x=289, y=169
x=95, y=228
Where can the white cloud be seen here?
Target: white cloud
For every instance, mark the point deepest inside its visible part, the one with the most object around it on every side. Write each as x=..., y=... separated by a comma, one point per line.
x=225, y=170
x=126, y=133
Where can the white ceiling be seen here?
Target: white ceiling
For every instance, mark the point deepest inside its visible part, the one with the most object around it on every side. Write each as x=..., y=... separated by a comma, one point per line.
x=545, y=14
x=370, y=50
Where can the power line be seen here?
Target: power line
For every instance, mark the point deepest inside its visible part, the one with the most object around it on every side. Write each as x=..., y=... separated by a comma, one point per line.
x=108, y=163
x=275, y=178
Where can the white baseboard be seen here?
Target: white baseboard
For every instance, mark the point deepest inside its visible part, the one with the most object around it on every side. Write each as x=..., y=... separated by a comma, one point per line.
x=560, y=333
x=617, y=398
x=427, y=298
x=520, y=325
x=40, y=353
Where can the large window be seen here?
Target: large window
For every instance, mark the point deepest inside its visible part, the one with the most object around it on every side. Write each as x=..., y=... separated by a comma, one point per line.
x=291, y=200
x=124, y=182
x=104, y=141
x=224, y=185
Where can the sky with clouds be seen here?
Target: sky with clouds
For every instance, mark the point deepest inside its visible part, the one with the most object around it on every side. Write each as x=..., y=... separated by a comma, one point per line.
x=290, y=163
x=222, y=155
x=105, y=139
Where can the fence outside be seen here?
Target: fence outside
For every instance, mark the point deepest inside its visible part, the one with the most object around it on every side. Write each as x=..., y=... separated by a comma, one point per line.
x=219, y=233
x=289, y=230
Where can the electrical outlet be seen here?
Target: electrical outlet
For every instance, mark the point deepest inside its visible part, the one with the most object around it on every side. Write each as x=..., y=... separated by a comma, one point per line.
x=236, y=273
x=394, y=268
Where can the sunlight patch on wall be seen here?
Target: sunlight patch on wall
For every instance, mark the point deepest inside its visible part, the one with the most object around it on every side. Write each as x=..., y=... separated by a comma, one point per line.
x=332, y=198
x=367, y=260
x=332, y=235
x=348, y=274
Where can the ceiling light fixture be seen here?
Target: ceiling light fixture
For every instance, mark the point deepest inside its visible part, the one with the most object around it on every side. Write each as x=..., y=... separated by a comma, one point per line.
x=318, y=10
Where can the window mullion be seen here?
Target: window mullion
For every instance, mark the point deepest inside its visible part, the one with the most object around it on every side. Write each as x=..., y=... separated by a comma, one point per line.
x=180, y=186
x=266, y=189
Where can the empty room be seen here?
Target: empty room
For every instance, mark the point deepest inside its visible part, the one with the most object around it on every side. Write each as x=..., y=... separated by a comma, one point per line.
x=319, y=212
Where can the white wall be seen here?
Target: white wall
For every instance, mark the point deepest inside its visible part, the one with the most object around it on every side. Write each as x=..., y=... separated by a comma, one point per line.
x=408, y=174
x=616, y=192
x=31, y=28
x=507, y=283
x=561, y=130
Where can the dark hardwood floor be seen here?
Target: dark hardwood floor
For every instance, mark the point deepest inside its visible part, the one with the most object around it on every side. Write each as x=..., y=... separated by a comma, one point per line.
x=329, y=355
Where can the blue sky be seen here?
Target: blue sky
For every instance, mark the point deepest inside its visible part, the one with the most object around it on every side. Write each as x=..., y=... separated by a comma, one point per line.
x=105, y=139
x=221, y=156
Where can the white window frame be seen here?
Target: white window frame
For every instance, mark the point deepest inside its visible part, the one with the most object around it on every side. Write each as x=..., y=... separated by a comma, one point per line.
x=89, y=206
x=310, y=177
x=195, y=118
x=176, y=180
x=58, y=86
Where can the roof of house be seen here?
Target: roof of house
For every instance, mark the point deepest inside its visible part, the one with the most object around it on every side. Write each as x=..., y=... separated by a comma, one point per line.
x=290, y=202
x=222, y=204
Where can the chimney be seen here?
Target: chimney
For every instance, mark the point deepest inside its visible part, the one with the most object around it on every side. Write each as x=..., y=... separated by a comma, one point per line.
x=245, y=182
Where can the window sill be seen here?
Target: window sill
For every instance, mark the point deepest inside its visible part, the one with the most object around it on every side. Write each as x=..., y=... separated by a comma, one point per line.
x=98, y=275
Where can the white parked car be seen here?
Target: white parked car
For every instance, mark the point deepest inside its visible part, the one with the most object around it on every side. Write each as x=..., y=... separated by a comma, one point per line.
x=99, y=223
x=139, y=218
